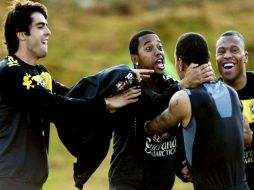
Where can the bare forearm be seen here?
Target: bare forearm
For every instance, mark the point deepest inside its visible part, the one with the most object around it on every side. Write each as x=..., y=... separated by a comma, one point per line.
x=158, y=125
x=170, y=117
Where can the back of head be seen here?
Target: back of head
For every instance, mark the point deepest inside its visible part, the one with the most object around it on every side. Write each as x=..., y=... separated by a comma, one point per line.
x=192, y=48
x=134, y=42
x=18, y=19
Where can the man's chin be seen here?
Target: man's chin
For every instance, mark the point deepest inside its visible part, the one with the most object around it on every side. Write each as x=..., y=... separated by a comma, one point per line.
x=157, y=74
x=42, y=55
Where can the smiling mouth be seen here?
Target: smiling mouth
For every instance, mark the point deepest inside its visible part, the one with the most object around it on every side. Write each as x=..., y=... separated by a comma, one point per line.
x=44, y=41
x=228, y=65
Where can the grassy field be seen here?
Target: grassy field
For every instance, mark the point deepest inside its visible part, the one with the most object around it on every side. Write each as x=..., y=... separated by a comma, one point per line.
x=85, y=41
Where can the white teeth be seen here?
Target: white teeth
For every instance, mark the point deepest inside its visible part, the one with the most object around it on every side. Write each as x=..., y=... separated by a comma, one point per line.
x=228, y=65
x=45, y=41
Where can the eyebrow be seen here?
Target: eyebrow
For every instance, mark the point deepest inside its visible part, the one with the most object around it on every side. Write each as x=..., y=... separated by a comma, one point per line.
x=150, y=41
x=44, y=23
x=41, y=23
x=146, y=42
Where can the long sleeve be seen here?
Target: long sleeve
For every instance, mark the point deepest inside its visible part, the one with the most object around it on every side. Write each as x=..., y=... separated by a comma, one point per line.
x=26, y=91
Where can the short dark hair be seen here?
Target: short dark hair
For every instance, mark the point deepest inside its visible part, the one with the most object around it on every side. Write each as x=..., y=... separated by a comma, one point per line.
x=192, y=48
x=134, y=42
x=233, y=33
x=19, y=19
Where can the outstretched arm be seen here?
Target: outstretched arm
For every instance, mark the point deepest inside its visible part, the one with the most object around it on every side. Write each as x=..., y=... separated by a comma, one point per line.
x=178, y=111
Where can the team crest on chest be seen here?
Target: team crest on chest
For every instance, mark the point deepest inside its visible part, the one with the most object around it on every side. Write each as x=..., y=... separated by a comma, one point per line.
x=252, y=108
x=248, y=109
x=43, y=80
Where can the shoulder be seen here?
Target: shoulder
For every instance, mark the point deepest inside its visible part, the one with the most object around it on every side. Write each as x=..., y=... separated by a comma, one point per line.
x=8, y=65
x=9, y=61
x=180, y=98
x=183, y=93
x=250, y=75
x=180, y=106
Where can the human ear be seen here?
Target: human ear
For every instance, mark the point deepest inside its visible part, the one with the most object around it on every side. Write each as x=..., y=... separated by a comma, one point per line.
x=21, y=35
x=135, y=61
x=246, y=57
x=180, y=64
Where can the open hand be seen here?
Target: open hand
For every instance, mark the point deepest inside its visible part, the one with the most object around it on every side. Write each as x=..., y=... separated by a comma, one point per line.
x=122, y=99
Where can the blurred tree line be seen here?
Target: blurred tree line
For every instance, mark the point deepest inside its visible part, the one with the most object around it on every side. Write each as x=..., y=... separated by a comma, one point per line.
x=90, y=35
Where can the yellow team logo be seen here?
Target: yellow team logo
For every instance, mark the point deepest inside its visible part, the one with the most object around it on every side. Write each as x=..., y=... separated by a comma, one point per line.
x=27, y=82
x=248, y=109
x=44, y=80
x=12, y=61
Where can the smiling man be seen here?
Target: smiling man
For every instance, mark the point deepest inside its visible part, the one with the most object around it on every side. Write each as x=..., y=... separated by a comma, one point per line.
x=232, y=57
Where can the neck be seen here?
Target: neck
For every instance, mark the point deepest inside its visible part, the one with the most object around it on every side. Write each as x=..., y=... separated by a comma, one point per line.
x=30, y=60
x=152, y=82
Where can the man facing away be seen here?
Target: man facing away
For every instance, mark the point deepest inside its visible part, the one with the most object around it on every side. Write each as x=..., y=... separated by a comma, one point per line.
x=232, y=57
x=212, y=123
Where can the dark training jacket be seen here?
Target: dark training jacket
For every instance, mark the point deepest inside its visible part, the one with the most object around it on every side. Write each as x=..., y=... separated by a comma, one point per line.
x=88, y=138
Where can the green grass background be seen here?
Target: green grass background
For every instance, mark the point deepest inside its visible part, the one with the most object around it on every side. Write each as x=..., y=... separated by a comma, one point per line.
x=86, y=40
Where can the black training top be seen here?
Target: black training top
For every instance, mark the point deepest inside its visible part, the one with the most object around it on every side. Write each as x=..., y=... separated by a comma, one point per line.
x=29, y=100
x=141, y=161
x=246, y=95
x=214, y=138
x=23, y=155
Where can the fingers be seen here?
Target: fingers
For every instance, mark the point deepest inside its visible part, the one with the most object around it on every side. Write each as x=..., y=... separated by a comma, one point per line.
x=207, y=73
x=131, y=95
x=144, y=76
x=184, y=162
x=193, y=65
x=186, y=172
x=205, y=68
x=142, y=73
x=130, y=101
x=132, y=92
